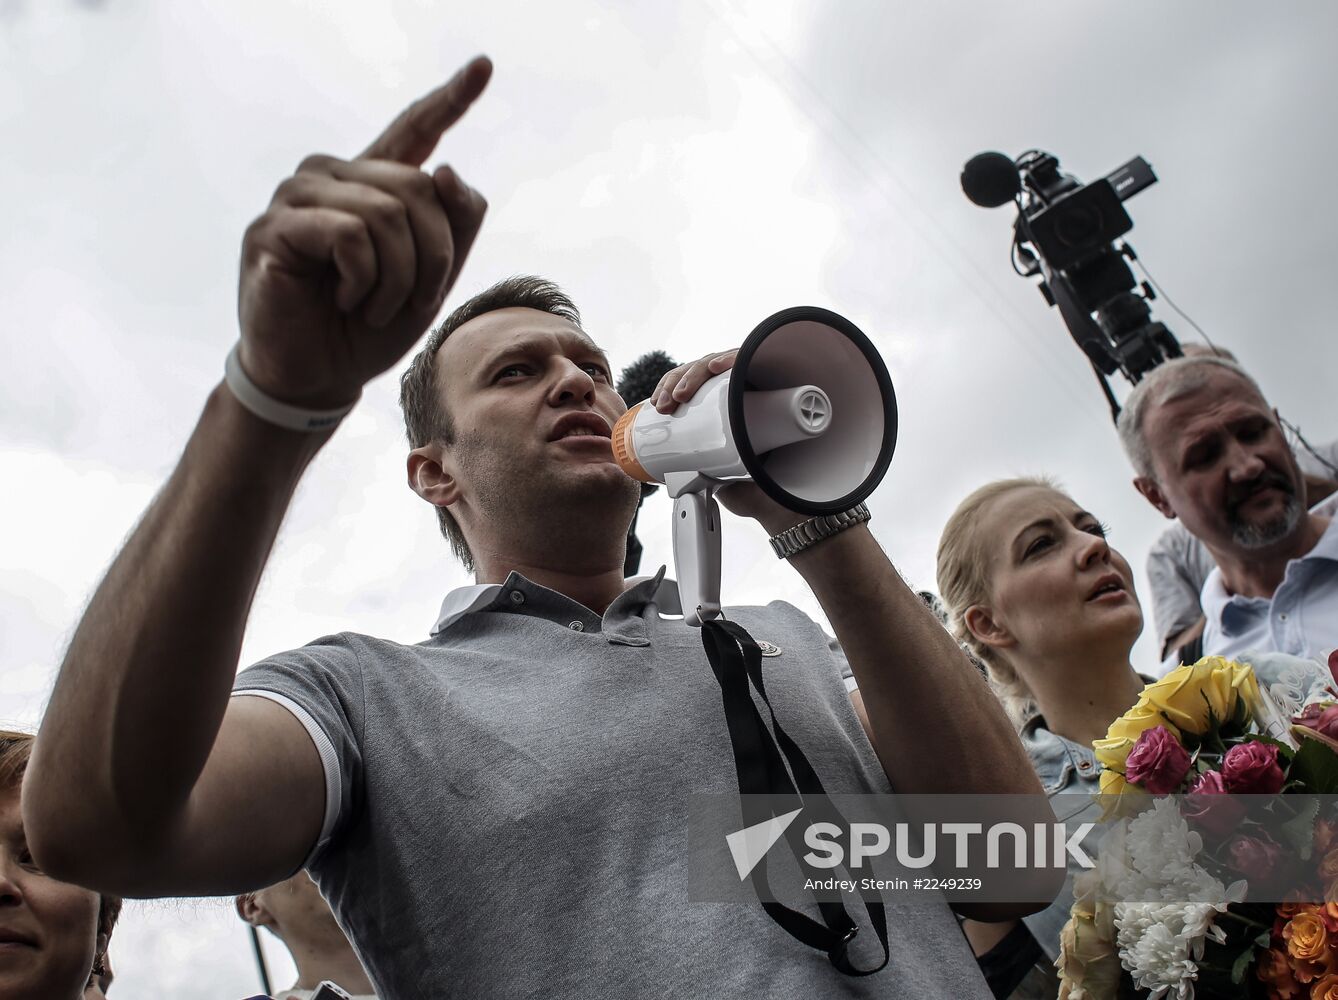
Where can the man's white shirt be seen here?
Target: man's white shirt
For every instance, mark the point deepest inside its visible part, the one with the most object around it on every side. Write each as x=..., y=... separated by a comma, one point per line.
x=1301, y=618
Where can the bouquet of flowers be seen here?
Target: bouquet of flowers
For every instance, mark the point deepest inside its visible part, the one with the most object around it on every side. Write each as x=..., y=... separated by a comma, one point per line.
x=1219, y=873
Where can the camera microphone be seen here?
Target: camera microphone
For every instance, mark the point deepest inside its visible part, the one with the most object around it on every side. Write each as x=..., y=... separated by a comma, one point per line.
x=991, y=179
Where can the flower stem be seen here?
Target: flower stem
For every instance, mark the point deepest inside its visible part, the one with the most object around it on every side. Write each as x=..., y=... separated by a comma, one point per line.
x=1245, y=920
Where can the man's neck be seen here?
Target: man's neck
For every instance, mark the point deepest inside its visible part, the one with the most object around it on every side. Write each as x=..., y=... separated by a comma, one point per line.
x=574, y=545
x=1259, y=572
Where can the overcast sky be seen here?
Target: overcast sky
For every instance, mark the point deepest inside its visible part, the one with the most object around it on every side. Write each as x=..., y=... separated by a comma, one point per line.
x=684, y=171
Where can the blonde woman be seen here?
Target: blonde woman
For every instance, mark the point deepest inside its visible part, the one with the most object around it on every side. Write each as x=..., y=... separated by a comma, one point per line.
x=1033, y=589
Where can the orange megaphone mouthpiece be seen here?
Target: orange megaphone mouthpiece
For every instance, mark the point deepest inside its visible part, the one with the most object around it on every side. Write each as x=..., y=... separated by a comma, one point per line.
x=623, y=451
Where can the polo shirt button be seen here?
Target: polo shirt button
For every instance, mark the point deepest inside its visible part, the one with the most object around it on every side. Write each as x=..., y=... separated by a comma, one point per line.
x=517, y=597
x=576, y=627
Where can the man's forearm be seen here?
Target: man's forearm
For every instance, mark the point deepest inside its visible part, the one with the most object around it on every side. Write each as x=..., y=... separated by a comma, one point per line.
x=936, y=725
x=141, y=693
x=341, y=274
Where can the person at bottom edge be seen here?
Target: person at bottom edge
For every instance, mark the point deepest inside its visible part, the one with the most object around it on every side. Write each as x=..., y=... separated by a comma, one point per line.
x=53, y=935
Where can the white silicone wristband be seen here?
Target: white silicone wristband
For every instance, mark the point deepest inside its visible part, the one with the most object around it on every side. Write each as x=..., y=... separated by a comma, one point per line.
x=294, y=418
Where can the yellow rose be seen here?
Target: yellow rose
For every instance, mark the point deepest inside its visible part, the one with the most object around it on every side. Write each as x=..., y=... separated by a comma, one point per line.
x=1189, y=694
x=1090, y=906
x=1325, y=989
x=1230, y=677
x=1113, y=783
x=1124, y=733
x=1305, y=936
x=1089, y=963
x=1134, y=722
x=1308, y=971
x=1112, y=794
x=1118, y=798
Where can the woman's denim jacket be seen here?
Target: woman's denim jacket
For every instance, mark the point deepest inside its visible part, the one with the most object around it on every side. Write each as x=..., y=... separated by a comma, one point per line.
x=1068, y=773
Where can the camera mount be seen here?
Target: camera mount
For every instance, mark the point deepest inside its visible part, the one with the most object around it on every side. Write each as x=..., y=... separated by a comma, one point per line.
x=1066, y=234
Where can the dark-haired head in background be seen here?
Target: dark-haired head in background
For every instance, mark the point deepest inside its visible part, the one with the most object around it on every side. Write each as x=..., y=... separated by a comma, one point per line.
x=636, y=383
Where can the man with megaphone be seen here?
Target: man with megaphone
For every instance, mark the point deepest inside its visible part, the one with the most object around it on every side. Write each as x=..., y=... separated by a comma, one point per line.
x=498, y=810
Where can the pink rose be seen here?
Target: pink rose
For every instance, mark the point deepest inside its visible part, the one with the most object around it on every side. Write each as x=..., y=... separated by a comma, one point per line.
x=1254, y=857
x=1209, y=806
x=1157, y=762
x=1252, y=769
x=1309, y=716
x=1333, y=664
x=1321, y=719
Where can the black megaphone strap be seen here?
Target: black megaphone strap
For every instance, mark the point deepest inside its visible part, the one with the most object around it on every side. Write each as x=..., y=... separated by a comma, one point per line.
x=736, y=660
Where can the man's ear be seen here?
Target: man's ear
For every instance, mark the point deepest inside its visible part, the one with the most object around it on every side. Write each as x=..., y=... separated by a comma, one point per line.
x=252, y=910
x=982, y=624
x=430, y=475
x=1151, y=491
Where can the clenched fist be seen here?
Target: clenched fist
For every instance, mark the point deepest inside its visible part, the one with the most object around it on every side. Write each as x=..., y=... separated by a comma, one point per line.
x=353, y=258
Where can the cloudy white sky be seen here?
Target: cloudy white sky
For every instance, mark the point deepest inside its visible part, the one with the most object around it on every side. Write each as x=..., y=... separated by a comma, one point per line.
x=684, y=170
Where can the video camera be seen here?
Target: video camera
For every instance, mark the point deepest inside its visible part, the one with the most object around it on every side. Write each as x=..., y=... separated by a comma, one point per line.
x=1066, y=232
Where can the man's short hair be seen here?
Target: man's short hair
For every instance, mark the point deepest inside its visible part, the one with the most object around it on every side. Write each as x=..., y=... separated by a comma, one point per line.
x=426, y=418
x=1169, y=380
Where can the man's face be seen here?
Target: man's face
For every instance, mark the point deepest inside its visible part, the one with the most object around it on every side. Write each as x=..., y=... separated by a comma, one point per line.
x=1223, y=466
x=532, y=404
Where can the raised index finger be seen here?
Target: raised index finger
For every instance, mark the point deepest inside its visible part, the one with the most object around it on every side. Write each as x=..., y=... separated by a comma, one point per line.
x=412, y=136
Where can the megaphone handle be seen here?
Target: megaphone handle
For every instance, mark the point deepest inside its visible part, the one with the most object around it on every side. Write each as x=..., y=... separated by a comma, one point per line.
x=697, y=555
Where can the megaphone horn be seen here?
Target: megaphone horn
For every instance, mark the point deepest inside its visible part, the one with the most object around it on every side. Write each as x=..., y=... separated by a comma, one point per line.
x=807, y=413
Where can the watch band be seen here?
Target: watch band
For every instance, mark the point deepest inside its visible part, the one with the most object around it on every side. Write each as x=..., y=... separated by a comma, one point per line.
x=815, y=529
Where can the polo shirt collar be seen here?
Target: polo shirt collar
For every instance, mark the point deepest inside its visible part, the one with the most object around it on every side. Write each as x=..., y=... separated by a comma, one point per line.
x=462, y=601
x=639, y=591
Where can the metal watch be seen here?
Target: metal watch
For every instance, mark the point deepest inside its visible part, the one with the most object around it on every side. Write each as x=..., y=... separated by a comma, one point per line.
x=815, y=529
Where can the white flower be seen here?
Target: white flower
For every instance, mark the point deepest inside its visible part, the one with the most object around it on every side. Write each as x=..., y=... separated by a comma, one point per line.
x=1167, y=903
x=1159, y=851
x=1153, y=950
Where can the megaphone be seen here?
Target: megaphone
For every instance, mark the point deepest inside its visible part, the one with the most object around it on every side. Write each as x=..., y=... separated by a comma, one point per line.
x=807, y=413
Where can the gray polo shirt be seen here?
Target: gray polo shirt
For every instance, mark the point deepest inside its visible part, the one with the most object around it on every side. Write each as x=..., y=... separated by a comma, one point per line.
x=506, y=803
